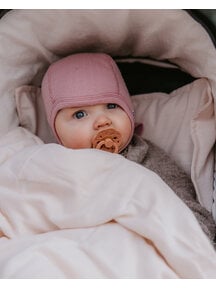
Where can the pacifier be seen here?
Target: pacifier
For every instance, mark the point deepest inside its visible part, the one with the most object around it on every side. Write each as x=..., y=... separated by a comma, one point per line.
x=107, y=140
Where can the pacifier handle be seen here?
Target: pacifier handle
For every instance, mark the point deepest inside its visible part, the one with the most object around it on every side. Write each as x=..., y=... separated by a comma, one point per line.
x=108, y=143
x=107, y=140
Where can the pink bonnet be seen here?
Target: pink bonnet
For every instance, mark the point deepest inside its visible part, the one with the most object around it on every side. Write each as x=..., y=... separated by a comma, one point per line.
x=81, y=80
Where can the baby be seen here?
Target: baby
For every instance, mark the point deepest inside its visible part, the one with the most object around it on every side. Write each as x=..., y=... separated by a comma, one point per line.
x=88, y=106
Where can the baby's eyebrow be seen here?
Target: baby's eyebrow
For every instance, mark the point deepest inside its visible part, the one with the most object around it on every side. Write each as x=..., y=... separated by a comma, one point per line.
x=79, y=108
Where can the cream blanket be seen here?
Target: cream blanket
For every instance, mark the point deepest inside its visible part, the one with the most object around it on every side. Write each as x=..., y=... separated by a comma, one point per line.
x=77, y=214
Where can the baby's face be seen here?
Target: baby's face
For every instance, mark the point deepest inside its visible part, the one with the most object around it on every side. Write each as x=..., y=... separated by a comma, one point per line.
x=76, y=127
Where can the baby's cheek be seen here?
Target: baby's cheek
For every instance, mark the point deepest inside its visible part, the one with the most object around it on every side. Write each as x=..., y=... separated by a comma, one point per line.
x=80, y=142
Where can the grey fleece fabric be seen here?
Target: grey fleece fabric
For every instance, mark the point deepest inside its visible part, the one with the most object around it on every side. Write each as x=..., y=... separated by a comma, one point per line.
x=155, y=159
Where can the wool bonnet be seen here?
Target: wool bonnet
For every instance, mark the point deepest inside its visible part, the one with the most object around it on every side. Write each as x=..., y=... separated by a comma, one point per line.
x=84, y=79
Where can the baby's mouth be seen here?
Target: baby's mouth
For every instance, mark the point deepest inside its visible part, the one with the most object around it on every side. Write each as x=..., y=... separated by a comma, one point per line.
x=107, y=140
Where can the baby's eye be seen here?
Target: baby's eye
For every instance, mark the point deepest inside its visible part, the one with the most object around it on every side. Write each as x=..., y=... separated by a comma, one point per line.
x=112, y=106
x=79, y=114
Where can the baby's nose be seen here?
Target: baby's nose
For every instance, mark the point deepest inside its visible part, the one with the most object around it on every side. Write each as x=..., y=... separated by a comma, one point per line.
x=102, y=121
